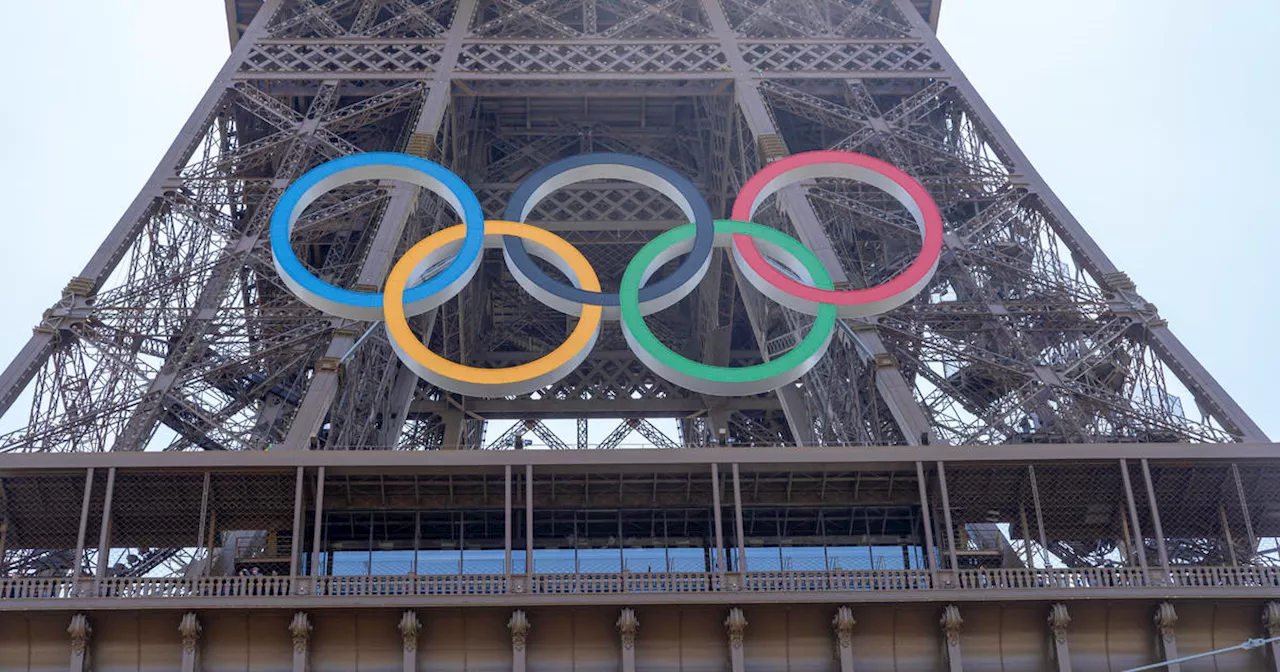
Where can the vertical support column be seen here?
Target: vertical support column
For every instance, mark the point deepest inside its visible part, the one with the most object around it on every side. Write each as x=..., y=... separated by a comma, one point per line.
x=453, y=421
x=417, y=542
x=737, y=521
x=930, y=550
x=208, y=540
x=316, y=529
x=1028, y=555
x=1139, y=541
x=410, y=627
x=736, y=624
x=1244, y=510
x=1166, y=619
x=628, y=624
x=519, y=626
x=951, y=623
x=1226, y=531
x=104, y=532
x=295, y=553
x=79, y=568
x=843, y=623
x=1155, y=520
x=951, y=531
x=300, y=632
x=204, y=519
x=190, y=629
x=1035, y=499
x=715, y=495
x=506, y=521
x=528, y=524
x=1271, y=626
x=1059, y=619
x=80, y=632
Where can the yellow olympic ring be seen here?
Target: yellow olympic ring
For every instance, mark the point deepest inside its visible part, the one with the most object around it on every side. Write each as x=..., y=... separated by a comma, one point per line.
x=470, y=380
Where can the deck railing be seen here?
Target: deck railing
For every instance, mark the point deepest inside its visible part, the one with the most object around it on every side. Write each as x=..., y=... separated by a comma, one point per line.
x=875, y=581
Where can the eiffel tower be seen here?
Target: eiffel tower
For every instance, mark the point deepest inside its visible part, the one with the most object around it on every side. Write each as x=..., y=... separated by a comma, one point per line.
x=1027, y=423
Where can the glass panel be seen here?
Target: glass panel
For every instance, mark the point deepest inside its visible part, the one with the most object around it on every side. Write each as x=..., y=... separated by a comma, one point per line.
x=350, y=563
x=553, y=561
x=804, y=559
x=599, y=561
x=645, y=559
x=849, y=558
x=439, y=562
x=483, y=562
x=688, y=560
x=392, y=563
x=763, y=560
x=887, y=557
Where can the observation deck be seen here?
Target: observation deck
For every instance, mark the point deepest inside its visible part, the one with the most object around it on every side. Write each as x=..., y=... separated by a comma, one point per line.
x=717, y=525
x=784, y=536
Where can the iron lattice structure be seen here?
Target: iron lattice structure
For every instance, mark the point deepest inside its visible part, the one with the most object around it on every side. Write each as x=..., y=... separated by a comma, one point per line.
x=178, y=334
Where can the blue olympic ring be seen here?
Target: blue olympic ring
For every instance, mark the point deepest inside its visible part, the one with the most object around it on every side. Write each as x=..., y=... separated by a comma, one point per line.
x=376, y=166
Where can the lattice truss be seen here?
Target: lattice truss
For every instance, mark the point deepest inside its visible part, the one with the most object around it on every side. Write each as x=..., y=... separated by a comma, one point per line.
x=1014, y=340
x=180, y=336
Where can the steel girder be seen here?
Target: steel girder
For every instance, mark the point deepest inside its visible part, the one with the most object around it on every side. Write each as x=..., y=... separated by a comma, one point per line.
x=178, y=335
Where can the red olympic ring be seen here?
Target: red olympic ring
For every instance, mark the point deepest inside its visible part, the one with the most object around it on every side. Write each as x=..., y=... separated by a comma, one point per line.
x=829, y=163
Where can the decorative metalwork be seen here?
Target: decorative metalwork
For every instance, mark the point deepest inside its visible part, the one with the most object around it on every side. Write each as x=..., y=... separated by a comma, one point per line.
x=300, y=631
x=843, y=623
x=628, y=625
x=1271, y=619
x=1059, y=619
x=1166, y=619
x=736, y=624
x=951, y=622
x=190, y=630
x=519, y=626
x=80, y=632
x=410, y=627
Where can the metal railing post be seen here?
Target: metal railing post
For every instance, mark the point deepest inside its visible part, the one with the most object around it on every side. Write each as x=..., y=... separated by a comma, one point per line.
x=78, y=568
x=104, y=532
x=316, y=528
x=1140, y=543
x=946, y=518
x=931, y=560
x=1155, y=519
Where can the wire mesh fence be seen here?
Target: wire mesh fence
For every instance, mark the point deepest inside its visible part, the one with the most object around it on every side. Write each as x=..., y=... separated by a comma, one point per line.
x=992, y=509
x=1111, y=522
x=154, y=523
x=1258, y=483
x=1192, y=513
x=250, y=523
x=40, y=524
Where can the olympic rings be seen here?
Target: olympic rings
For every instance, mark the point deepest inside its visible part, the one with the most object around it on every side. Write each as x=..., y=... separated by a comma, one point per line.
x=806, y=286
x=725, y=380
x=852, y=302
x=569, y=300
x=477, y=382
x=375, y=166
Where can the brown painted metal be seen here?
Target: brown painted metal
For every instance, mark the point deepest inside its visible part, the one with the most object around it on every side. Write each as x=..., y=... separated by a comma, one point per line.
x=1105, y=635
x=302, y=62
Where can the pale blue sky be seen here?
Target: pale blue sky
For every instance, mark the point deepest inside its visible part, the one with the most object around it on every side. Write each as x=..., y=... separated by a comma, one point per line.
x=1156, y=123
